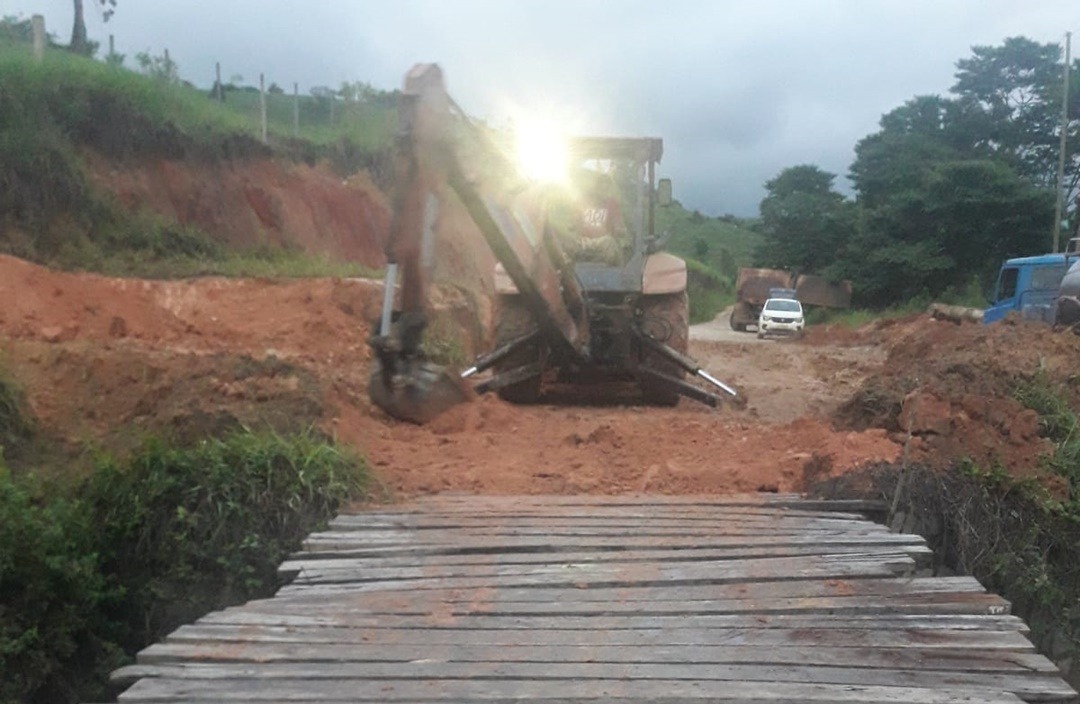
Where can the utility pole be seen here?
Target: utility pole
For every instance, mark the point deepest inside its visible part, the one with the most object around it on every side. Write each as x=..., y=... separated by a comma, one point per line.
x=296, y=109
x=262, y=106
x=38, y=23
x=1061, y=145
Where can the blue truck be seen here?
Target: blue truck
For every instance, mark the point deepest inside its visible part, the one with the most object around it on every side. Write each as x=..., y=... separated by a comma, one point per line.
x=1030, y=286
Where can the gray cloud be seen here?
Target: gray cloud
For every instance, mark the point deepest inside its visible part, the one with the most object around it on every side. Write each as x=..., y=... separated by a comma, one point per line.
x=738, y=90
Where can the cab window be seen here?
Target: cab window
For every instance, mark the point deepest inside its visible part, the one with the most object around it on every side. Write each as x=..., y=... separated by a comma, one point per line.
x=1047, y=277
x=1007, y=284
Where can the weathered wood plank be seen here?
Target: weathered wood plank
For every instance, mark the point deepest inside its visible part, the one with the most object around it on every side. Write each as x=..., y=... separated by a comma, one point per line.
x=951, y=659
x=325, y=560
x=683, y=575
x=542, y=519
x=663, y=593
x=1032, y=686
x=962, y=603
x=625, y=571
x=242, y=617
x=921, y=638
x=553, y=692
x=360, y=544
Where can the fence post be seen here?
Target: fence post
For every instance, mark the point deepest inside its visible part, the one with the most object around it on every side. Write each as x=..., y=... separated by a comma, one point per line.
x=217, y=86
x=296, y=109
x=38, y=22
x=112, y=47
x=262, y=106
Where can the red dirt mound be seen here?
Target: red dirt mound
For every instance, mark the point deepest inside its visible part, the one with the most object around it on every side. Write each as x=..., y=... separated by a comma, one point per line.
x=950, y=386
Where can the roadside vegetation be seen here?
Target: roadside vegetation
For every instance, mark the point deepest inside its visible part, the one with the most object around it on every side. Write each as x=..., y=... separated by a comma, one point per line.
x=92, y=573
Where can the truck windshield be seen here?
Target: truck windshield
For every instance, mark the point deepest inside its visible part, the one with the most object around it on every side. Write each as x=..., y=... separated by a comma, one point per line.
x=781, y=304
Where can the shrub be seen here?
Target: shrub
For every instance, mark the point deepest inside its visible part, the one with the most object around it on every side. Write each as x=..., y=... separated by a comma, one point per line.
x=52, y=632
x=187, y=530
x=148, y=544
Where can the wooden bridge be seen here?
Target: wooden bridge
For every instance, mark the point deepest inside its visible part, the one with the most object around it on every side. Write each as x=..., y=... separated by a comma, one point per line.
x=627, y=599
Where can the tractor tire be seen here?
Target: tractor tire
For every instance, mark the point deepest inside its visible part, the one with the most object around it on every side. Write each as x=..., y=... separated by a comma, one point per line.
x=513, y=321
x=671, y=313
x=737, y=327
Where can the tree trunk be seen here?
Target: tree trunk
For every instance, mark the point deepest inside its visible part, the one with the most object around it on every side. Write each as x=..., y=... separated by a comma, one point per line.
x=79, y=45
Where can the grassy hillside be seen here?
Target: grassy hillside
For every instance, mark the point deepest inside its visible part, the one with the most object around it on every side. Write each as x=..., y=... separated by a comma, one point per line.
x=714, y=248
x=52, y=111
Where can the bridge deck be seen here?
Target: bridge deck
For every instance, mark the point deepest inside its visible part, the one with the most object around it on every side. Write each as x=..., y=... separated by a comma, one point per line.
x=624, y=599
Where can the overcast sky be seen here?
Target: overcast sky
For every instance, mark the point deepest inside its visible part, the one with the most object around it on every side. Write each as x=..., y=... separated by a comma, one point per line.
x=737, y=89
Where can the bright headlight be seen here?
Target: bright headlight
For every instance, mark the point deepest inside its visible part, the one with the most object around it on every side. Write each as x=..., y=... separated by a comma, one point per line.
x=542, y=152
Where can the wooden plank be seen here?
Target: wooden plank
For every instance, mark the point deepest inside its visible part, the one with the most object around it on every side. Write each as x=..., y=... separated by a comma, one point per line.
x=358, y=544
x=750, y=571
x=953, y=659
x=761, y=590
x=291, y=567
x=863, y=638
x=1032, y=686
x=961, y=603
x=552, y=692
x=242, y=617
x=617, y=519
x=669, y=570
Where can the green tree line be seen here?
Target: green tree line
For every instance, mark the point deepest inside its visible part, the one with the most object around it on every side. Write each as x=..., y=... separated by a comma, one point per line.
x=947, y=188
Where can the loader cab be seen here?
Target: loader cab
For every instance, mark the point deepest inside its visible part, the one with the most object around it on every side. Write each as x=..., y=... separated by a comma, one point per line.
x=630, y=166
x=1028, y=286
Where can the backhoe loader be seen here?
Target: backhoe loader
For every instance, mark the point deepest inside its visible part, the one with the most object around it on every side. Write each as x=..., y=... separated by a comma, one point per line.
x=583, y=298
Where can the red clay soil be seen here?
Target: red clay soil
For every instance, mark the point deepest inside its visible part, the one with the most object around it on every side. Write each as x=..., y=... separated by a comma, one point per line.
x=252, y=203
x=102, y=360
x=951, y=387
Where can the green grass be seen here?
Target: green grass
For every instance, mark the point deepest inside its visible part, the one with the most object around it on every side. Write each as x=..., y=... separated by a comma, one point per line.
x=722, y=244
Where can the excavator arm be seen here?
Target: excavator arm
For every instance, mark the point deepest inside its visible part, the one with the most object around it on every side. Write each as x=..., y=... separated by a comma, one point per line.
x=430, y=160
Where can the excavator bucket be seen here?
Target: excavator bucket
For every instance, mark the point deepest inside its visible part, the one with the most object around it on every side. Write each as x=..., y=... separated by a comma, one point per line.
x=417, y=390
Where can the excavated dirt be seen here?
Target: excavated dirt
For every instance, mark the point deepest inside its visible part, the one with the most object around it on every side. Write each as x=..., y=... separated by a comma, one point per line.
x=103, y=361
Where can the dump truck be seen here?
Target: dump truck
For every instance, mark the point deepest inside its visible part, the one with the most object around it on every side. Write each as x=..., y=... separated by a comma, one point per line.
x=755, y=286
x=581, y=300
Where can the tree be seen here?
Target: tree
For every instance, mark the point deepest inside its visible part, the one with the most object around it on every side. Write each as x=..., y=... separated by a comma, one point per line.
x=79, y=43
x=804, y=222
x=1014, y=93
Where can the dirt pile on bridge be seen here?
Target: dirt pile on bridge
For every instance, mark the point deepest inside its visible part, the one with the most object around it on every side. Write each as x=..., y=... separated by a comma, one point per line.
x=947, y=390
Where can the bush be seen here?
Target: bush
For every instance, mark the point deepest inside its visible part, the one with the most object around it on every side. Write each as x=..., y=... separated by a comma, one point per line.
x=16, y=426
x=52, y=632
x=187, y=530
x=149, y=544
